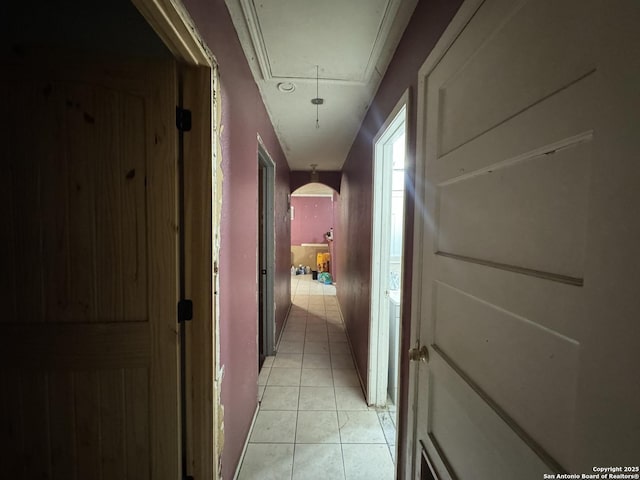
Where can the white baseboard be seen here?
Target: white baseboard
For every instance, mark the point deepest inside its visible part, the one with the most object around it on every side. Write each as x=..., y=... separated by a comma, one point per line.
x=246, y=442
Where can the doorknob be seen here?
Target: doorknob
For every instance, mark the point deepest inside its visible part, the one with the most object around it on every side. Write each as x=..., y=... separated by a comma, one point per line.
x=419, y=354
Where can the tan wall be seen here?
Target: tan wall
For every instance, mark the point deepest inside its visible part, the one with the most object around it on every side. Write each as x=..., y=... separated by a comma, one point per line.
x=306, y=255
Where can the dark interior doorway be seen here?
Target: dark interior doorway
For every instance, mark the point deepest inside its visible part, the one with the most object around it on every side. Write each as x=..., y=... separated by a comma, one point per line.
x=262, y=269
x=266, y=256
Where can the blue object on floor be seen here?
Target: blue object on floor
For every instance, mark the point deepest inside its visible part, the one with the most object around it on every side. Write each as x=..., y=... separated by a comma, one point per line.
x=325, y=277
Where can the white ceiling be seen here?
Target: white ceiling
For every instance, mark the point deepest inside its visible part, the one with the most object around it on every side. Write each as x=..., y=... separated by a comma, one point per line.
x=351, y=42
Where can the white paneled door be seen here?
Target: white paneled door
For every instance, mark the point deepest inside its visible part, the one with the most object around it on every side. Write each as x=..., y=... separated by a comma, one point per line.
x=526, y=253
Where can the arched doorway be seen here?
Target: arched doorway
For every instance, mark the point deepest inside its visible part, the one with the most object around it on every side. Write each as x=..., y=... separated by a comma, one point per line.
x=313, y=227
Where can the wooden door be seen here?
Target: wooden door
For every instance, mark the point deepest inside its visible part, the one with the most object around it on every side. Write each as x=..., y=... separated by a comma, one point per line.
x=89, y=377
x=527, y=241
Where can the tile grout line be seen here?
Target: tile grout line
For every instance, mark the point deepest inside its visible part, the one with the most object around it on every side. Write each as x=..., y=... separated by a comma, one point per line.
x=295, y=431
x=335, y=398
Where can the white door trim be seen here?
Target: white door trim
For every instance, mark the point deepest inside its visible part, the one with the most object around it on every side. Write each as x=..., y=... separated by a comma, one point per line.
x=457, y=24
x=379, y=308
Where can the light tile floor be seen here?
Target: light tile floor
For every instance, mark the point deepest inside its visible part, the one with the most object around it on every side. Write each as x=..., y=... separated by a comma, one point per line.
x=313, y=421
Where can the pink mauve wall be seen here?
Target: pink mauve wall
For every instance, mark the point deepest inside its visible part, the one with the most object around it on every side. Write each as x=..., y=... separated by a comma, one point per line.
x=313, y=217
x=243, y=118
x=429, y=20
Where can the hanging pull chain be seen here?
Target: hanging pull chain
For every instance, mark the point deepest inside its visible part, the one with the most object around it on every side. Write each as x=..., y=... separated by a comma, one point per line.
x=317, y=101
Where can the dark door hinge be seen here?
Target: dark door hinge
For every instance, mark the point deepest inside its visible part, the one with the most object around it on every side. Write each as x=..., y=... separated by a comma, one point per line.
x=183, y=119
x=185, y=310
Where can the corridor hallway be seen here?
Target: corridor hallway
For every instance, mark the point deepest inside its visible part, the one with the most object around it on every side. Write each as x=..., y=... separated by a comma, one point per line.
x=313, y=422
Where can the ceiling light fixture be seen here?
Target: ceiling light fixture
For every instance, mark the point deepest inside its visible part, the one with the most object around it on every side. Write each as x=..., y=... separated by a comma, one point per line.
x=314, y=177
x=286, y=87
x=317, y=101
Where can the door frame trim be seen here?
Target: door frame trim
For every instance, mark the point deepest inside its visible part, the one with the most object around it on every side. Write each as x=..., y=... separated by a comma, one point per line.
x=175, y=27
x=265, y=160
x=379, y=324
x=460, y=20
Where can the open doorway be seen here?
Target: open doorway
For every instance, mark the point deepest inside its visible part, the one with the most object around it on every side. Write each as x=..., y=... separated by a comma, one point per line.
x=313, y=208
x=386, y=263
x=266, y=255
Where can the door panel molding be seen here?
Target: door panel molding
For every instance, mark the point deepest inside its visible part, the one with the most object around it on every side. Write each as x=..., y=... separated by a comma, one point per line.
x=442, y=458
x=111, y=345
x=554, y=277
x=500, y=412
